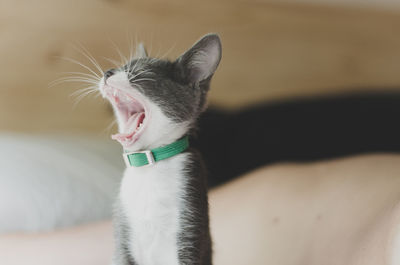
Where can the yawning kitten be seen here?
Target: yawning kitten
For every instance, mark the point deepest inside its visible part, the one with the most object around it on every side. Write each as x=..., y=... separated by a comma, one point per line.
x=162, y=210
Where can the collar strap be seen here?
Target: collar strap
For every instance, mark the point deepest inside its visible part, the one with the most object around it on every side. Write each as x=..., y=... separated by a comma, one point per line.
x=149, y=157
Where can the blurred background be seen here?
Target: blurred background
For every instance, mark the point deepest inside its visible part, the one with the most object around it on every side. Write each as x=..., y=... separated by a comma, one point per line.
x=272, y=51
x=306, y=79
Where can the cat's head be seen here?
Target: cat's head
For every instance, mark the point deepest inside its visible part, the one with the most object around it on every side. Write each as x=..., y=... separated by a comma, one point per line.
x=157, y=101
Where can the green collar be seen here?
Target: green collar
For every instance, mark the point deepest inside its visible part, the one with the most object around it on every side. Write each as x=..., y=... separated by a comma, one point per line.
x=149, y=157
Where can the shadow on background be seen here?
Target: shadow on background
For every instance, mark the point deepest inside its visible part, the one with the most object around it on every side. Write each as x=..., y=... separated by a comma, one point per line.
x=235, y=142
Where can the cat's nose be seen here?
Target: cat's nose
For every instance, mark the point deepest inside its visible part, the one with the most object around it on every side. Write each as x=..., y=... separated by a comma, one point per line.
x=107, y=74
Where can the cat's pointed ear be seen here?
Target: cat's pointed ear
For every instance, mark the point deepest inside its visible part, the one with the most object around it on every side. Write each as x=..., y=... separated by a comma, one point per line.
x=201, y=61
x=140, y=51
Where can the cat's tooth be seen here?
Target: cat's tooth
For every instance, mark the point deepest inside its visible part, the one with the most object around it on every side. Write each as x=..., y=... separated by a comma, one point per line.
x=115, y=93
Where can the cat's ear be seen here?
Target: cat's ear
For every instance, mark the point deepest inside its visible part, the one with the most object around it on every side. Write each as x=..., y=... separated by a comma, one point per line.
x=140, y=51
x=201, y=61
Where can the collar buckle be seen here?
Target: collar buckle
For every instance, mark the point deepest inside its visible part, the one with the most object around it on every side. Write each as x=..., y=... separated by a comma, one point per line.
x=149, y=157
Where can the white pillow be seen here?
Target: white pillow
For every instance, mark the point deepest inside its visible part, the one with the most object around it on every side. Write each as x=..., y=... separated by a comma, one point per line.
x=49, y=182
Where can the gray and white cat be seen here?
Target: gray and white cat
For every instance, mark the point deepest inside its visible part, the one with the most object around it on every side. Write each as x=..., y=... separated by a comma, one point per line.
x=161, y=213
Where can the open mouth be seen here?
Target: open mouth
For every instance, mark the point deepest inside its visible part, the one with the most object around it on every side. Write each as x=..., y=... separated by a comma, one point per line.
x=131, y=114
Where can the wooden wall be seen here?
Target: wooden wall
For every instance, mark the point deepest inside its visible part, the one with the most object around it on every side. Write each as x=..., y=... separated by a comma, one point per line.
x=270, y=51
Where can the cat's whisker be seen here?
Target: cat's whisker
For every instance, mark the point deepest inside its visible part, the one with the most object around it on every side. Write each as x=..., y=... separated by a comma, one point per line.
x=82, y=50
x=168, y=52
x=143, y=79
x=123, y=59
x=131, y=47
x=82, y=96
x=60, y=81
x=140, y=73
x=73, y=79
x=97, y=95
x=82, y=74
x=136, y=41
x=158, y=53
x=133, y=68
x=109, y=127
x=81, y=77
x=80, y=64
x=138, y=60
x=134, y=78
x=114, y=62
x=151, y=44
x=82, y=90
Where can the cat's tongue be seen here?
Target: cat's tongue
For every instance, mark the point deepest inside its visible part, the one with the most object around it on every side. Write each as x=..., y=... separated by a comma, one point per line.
x=133, y=126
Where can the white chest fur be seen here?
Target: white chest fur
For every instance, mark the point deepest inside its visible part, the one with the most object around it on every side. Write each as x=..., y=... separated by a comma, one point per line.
x=151, y=199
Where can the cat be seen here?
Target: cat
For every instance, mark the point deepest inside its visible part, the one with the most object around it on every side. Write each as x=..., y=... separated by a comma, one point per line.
x=161, y=213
